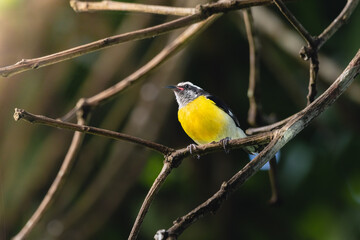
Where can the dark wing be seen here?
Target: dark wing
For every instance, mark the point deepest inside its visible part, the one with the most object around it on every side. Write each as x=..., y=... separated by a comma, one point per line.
x=224, y=107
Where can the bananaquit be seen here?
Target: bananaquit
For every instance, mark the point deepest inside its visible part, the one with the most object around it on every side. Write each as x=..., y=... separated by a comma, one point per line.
x=204, y=117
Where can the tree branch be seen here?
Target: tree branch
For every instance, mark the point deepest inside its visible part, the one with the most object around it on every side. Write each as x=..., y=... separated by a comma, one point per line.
x=314, y=43
x=38, y=119
x=57, y=183
x=251, y=131
x=27, y=64
x=80, y=6
x=204, y=12
x=296, y=24
x=340, y=20
x=190, y=32
x=253, y=93
x=259, y=139
x=274, y=183
x=255, y=116
x=282, y=136
x=174, y=159
x=165, y=171
x=161, y=57
x=311, y=46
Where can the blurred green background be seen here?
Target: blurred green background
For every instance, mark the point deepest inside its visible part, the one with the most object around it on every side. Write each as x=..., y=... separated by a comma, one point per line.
x=319, y=173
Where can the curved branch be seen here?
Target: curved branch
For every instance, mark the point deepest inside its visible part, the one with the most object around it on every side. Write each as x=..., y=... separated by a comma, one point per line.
x=314, y=43
x=161, y=57
x=203, y=12
x=251, y=131
x=214, y=202
x=282, y=136
x=56, y=185
x=174, y=159
x=165, y=171
x=296, y=24
x=27, y=64
x=22, y=114
x=310, y=49
x=340, y=20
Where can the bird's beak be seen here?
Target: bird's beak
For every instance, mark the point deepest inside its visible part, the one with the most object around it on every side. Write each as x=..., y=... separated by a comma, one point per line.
x=172, y=87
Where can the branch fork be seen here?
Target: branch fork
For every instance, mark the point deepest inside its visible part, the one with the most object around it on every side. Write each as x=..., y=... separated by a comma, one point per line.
x=273, y=140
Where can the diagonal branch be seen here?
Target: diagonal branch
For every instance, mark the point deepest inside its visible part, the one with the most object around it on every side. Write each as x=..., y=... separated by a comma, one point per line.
x=80, y=6
x=296, y=24
x=38, y=119
x=175, y=46
x=340, y=20
x=174, y=159
x=214, y=202
x=255, y=116
x=57, y=183
x=271, y=127
x=282, y=136
x=313, y=42
x=311, y=46
x=161, y=57
x=164, y=173
x=203, y=12
x=27, y=64
x=322, y=38
x=259, y=139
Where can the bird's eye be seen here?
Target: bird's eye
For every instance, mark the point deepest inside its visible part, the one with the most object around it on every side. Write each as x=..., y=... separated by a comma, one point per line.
x=186, y=86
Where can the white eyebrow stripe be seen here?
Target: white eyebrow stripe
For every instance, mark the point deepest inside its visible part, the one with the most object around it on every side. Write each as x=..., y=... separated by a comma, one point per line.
x=189, y=83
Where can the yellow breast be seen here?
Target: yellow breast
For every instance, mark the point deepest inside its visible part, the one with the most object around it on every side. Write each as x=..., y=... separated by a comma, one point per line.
x=204, y=122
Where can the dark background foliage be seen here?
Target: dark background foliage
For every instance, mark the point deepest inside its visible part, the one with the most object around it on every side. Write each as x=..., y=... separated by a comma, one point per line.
x=319, y=171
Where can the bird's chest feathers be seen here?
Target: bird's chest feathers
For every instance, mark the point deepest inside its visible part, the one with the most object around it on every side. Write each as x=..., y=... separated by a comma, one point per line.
x=203, y=121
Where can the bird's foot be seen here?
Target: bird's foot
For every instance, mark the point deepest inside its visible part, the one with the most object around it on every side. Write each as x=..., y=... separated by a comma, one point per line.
x=192, y=147
x=224, y=142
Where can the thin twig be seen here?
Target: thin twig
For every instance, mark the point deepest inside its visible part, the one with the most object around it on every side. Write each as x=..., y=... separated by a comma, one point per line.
x=27, y=64
x=282, y=136
x=268, y=24
x=253, y=93
x=274, y=183
x=174, y=160
x=38, y=119
x=259, y=139
x=161, y=57
x=204, y=12
x=296, y=24
x=314, y=69
x=56, y=185
x=255, y=117
x=177, y=43
x=80, y=6
x=165, y=171
x=214, y=202
x=311, y=49
x=340, y=20
x=314, y=43
x=279, y=124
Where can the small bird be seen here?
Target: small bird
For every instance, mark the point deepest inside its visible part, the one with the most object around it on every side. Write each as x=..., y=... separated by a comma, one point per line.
x=204, y=117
